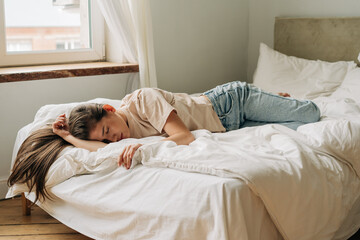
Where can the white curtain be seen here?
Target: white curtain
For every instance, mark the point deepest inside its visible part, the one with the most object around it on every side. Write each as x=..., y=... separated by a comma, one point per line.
x=130, y=23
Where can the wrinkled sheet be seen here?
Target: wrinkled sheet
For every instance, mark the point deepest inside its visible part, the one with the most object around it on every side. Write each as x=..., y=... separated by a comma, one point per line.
x=307, y=178
x=158, y=203
x=103, y=201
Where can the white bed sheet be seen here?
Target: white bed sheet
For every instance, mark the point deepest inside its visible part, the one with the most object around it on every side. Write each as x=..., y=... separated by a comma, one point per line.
x=158, y=203
x=155, y=203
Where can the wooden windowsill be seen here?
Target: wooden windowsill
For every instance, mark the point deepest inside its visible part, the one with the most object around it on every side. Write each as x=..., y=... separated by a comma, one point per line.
x=16, y=74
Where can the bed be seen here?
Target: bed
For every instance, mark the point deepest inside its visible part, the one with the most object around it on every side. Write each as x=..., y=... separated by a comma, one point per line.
x=262, y=182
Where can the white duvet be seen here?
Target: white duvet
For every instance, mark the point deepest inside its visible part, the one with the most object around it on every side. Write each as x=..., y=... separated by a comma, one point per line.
x=304, y=188
x=307, y=179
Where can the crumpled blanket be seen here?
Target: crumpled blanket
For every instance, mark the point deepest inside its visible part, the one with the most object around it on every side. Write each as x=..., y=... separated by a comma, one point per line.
x=308, y=179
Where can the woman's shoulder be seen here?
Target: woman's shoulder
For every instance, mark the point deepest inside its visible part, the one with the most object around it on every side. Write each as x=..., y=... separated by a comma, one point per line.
x=148, y=95
x=154, y=94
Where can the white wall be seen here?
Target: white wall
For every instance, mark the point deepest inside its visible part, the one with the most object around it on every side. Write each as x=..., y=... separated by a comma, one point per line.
x=199, y=44
x=262, y=14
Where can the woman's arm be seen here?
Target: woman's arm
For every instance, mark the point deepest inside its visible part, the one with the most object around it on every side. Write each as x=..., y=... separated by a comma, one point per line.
x=61, y=128
x=90, y=145
x=177, y=130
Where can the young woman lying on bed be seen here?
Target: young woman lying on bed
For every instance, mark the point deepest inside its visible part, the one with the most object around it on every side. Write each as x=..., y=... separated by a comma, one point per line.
x=150, y=112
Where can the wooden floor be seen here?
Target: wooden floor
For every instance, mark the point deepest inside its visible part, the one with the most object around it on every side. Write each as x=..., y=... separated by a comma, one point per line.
x=38, y=226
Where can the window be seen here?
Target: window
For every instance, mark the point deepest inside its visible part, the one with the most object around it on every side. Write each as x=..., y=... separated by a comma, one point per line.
x=50, y=31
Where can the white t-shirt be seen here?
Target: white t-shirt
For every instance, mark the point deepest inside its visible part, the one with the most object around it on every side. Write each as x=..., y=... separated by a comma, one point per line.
x=147, y=110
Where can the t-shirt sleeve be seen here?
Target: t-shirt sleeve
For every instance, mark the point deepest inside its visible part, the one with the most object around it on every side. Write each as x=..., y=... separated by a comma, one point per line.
x=154, y=106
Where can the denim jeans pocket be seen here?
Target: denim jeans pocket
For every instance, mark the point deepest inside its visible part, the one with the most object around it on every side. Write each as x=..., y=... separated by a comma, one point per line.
x=225, y=103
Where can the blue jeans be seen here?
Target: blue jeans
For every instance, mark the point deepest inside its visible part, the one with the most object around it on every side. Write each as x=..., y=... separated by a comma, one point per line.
x=239, y=104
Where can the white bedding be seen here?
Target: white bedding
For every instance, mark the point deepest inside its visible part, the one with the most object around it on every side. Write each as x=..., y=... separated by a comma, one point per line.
x=296, y=175
x=252, y=183
x=301, y=78
x=145, y=202
x=306, y=178
x=154, y=203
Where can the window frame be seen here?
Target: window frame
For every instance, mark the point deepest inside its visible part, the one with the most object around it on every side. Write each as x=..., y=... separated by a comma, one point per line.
x=96, y=53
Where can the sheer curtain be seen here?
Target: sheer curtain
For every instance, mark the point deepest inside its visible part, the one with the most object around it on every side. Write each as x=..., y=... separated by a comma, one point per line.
x=130, y=23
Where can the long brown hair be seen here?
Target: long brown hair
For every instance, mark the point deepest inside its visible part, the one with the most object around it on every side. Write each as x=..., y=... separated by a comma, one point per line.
x=40, y=150
x=35, y=156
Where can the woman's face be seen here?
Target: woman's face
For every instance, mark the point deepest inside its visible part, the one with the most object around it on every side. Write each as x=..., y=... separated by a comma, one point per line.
x=111, y=128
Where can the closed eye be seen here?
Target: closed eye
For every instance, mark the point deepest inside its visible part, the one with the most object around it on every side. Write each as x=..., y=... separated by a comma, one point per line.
x=105, y=130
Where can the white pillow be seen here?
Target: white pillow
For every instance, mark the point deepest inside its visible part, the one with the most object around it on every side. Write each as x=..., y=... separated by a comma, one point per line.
x=68, y=163
x=350, y=87
x=301, y=78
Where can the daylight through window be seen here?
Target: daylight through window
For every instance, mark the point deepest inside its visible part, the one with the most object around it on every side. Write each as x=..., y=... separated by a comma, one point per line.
x=34, y=32
x=41, y=25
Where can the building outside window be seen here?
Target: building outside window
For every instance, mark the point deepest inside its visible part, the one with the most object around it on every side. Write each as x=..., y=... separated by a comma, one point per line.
x=50, y=31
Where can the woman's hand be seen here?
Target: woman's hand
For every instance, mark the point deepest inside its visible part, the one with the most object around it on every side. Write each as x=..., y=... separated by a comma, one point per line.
x=127, y=154
x=61, y=127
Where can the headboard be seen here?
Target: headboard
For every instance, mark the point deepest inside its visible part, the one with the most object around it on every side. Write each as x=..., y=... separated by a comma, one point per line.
x=327, y=39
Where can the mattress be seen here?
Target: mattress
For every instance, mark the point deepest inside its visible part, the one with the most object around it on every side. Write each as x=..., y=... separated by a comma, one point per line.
x=154, y=203
x=164, y=203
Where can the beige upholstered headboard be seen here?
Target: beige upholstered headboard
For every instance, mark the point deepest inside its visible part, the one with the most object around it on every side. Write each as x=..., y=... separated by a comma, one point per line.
x=328, y=39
